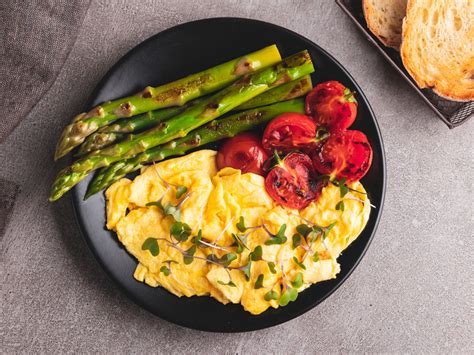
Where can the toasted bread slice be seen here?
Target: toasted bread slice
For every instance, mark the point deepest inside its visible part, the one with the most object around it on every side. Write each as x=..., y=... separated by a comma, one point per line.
x=438, y=46
x=384, y=19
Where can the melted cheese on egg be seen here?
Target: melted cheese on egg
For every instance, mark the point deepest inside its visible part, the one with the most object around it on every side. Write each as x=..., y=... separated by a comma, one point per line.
x=215, y=201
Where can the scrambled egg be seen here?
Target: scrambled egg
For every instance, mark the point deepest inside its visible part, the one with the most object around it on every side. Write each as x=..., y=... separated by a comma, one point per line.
x=213, y=204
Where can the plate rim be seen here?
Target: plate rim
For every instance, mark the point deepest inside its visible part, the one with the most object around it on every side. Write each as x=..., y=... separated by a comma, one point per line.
x=76, y=198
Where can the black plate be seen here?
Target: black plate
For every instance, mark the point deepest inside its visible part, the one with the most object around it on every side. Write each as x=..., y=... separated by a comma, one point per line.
x=172, y=54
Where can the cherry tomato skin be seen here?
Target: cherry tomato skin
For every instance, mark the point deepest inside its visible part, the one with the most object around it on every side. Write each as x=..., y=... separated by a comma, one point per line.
x=288, y=132
x=292, y=182
x=244, y=152
x=332, y=105
x=345, y=154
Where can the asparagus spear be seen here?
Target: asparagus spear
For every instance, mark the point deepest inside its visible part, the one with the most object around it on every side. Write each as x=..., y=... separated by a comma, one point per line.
x=246, y=88
x=176, y=93
x=119, y=129
x=212, y=132
x=288, y=91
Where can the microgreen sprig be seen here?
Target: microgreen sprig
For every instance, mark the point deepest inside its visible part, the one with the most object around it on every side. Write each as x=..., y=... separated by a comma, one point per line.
x=278, y=238
x=299, y=263
x=289, y=294
x=169, y=209
x=259, y=281
x=298, y=281
x=166, y=269
x=151, y=244
x=239, y=243
x=180, y=231
x=229, y=283
x=180, y=189
x=307, y=234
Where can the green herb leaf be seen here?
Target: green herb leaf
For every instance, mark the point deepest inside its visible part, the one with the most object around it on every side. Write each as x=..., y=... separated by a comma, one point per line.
x=317, y=229
x=170, y=261
x=228, y=258
x=257, y=253
x=246, y=270
x=340, y=206
x=241, y=225
x=278, y=238
x=343, y=190
x=304, y=229
x=270, y=295
x=315, y=233
x=274, y=241
x=170, y=210
x=230, y=283
x=299, y=263
x=240, y=249
x=239, y=243
x=225, y=260
x=180, y=191
x=296, y=240
x=197, y=239
x=156, y=203
x=298, y=281
x=165, y=270
x=180, y=231
x=188, y=257
x=281, y=232
x=271, y=266
x=327, y=230
x=315, y=257
x=259, y=282
x=151, y=244
x=288, y=296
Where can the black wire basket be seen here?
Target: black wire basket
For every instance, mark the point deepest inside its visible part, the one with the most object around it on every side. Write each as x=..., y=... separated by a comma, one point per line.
x=453, y=113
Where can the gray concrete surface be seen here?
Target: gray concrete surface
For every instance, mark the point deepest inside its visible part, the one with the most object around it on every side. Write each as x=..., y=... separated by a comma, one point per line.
x=411, y=293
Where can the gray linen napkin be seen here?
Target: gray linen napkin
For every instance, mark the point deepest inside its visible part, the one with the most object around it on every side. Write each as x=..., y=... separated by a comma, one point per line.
x=36, y=37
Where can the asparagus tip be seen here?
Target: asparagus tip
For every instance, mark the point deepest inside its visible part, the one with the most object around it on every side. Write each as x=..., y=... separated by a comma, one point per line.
x=89, y=193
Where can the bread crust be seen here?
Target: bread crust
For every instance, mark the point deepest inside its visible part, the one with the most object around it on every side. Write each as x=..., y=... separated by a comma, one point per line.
x=444, y=62
x=388, y=36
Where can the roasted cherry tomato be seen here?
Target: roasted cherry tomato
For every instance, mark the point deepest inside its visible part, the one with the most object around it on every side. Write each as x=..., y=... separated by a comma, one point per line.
x=332, y=105
x=244, y=152
x=289, y=131
x=292, y=182
x=346, y=154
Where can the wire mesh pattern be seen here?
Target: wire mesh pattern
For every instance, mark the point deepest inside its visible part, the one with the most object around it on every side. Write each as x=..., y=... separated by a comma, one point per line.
x=452, y=113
